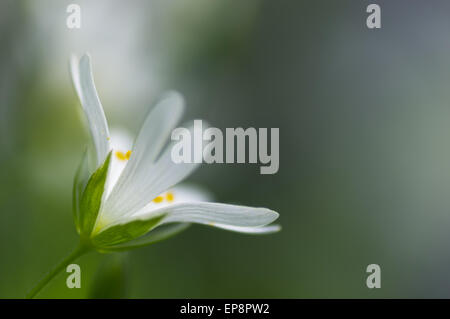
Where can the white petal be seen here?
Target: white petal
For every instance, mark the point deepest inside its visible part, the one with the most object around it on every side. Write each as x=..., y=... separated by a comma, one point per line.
x=121, y=143
x=215, y=214
x=134, y=189
x=251, y=230
x=167, y=173
x=84, y=85
x=75, y=72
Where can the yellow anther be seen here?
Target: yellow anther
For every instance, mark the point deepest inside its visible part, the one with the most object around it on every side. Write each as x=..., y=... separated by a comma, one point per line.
x=120, y=155
x=169, y=197
x=123, y=156
x=158, y=199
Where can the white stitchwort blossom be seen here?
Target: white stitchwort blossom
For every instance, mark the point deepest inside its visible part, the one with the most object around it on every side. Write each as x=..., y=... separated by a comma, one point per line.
x=132, y=199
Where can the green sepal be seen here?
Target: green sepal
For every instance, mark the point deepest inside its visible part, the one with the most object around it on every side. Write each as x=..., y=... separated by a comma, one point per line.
x=79, y=183
x=159, y=234
x=121, y=233
x=92, y=198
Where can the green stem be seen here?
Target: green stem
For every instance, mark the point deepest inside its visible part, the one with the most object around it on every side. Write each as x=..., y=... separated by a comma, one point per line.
x=80, y=250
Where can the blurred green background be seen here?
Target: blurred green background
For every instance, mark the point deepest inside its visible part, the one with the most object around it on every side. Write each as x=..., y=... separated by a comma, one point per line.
x=364, y=118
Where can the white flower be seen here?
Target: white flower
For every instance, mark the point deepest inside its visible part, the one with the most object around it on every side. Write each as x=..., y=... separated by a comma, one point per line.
x=133, y=190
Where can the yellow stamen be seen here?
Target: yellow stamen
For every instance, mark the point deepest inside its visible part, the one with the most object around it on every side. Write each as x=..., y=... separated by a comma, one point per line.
x=120, y=155
x=169, y=197
x=158, y=199
x=123, y=156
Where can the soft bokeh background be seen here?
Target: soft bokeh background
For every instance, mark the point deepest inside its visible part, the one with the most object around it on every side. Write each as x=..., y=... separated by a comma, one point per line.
x=364, y=118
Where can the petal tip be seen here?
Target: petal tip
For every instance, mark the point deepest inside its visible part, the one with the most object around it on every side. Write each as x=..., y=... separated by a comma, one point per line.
x=171, y=103
x=85, y=56
x=275, y=228
x=270, y=214
x=174, y=99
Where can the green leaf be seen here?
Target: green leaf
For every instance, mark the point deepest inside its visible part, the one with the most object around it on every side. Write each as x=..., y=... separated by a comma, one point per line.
x=79, y=182
x=124, y=232
x=157, y=235
x=92, y=197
